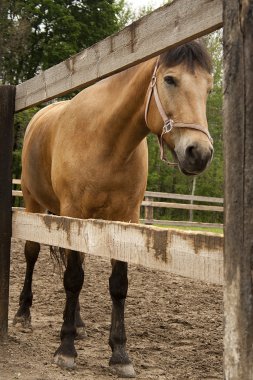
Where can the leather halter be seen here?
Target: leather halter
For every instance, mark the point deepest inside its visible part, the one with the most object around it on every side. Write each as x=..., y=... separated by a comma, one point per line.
x=169, y=124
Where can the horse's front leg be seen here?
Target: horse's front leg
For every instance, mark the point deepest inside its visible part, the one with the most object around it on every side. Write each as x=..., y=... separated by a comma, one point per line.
x=118, y=284
x=73, y=281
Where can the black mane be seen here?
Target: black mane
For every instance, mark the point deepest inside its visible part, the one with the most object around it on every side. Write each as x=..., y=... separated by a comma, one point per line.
x=190, y=54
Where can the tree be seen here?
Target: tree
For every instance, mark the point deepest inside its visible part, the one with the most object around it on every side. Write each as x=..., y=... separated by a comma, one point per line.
x=54, y=30
x=13, y=36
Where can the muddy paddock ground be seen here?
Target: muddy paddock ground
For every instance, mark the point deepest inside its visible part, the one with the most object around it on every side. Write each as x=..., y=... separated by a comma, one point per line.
x=174, y=325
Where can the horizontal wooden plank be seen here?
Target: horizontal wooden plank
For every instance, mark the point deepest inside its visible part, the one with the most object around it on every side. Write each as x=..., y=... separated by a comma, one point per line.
x=187, y=197
x=181, y=223
x=185, y=206
x=16, y=181
x=191, y=254
x=17, y=193
x=168, y=26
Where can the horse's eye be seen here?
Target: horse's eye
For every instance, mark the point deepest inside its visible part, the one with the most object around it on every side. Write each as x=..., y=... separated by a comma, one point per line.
x=170, y=80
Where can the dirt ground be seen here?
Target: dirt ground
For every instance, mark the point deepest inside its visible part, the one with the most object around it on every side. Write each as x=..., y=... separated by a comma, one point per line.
x=174, y=325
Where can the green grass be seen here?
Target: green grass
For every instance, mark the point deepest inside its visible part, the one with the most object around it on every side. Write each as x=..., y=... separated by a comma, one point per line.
x=205, y=229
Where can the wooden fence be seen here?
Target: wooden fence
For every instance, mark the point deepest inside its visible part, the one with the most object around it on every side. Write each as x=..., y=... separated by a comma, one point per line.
x=149, y=204
x=168, y=26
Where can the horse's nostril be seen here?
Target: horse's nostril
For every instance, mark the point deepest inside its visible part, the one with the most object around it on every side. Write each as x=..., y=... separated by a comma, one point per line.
x=198, y=156
x=191, y=152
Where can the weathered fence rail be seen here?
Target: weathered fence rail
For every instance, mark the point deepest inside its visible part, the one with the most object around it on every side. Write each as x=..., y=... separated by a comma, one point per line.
x=195, y=255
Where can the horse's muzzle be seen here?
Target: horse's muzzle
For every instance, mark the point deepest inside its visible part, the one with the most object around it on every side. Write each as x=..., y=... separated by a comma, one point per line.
x=195, y=159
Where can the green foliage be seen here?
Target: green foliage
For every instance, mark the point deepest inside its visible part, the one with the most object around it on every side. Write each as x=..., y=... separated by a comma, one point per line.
x=52, y=31
x=13, y=36
x=20, y=123
x=210, y=183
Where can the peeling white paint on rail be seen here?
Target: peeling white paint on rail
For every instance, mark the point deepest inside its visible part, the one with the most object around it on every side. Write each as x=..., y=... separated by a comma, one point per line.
x=191, y=254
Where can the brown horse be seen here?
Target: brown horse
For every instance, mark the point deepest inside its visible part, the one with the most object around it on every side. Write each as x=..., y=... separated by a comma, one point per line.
x=87, y=158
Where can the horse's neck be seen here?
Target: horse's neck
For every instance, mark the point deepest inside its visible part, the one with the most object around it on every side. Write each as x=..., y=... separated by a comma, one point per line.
x=128, y=127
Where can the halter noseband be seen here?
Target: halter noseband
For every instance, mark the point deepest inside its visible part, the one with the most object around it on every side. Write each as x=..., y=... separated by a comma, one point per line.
x=169, y=124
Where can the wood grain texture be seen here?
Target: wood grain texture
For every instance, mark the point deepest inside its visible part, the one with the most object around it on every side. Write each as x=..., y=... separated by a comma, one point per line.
x=7, y=106
x=238, y=143
x=191, y=254
x=168, y=26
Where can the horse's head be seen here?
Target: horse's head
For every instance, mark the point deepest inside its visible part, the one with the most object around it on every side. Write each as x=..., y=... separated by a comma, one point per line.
x=176, y=105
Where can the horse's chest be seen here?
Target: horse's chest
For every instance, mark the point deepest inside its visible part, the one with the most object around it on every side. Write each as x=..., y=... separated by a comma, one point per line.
x=110, y=205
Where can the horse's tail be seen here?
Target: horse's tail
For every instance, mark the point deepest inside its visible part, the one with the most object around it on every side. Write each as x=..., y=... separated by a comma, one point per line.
x=58, y=256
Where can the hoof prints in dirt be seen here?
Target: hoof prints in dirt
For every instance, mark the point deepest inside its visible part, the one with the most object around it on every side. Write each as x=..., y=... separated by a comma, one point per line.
x=174, y=325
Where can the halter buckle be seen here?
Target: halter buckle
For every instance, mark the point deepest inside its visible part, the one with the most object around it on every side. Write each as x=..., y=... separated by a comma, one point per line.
x=153, y=81
x=168, y=125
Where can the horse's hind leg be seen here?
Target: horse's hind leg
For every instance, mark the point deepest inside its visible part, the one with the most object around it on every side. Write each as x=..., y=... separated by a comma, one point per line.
x=80, y=325
x=73, y=281
x=23, y=315
x=32, y=250
x=118, y=284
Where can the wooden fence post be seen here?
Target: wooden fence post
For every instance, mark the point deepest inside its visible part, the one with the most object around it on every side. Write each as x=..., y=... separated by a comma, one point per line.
x=191, y=201
x=7, y=107
x=238, y=143
x=149, y=211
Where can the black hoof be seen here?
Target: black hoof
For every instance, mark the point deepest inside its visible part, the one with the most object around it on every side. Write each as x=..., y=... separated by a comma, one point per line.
x=23, y=320
x=65, y=362
x=121, y=364
x=123, y=370
x=65, y=356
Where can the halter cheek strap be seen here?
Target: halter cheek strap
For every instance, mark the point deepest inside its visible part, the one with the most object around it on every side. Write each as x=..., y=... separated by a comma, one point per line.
x=169, y=124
